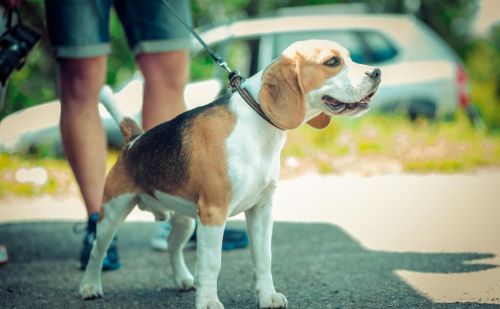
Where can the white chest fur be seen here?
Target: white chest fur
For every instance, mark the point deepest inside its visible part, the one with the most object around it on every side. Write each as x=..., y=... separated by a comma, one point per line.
x=253, y=157
x=253, y=151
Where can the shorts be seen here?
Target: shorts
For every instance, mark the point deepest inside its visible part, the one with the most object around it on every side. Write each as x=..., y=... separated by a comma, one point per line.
x=80, y=28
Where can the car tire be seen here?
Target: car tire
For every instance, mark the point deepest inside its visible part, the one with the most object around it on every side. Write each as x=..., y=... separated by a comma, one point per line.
x=422, y=108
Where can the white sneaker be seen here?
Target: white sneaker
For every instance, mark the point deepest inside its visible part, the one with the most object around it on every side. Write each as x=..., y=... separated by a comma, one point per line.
x=4, y=257
x=159, y=239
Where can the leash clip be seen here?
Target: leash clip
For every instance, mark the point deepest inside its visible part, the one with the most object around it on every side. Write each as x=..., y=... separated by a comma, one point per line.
x=235, y=80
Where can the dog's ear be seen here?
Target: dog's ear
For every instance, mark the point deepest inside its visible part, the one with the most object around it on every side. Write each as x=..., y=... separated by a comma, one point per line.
x=281, y=95
x=320, y=122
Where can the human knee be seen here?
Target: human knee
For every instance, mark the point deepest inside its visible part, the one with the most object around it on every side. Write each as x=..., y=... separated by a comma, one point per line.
x=81, y=79
x=165, y=69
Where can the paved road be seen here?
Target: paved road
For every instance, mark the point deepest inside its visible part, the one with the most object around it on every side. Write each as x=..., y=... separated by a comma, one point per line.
x=315, y=265
x=385, y=241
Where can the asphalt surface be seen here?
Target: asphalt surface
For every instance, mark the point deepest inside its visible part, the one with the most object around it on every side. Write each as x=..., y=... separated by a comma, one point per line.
x=314, y=265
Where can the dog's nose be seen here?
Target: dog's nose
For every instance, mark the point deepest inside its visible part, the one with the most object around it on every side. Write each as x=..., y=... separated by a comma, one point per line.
x=375, y=74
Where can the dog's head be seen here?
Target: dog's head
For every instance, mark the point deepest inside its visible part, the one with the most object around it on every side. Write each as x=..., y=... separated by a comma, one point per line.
x=313, y=80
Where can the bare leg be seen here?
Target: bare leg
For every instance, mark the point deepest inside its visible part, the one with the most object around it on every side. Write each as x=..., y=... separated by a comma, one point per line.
x=260, y=229
x=81, y=128
x=165, y=76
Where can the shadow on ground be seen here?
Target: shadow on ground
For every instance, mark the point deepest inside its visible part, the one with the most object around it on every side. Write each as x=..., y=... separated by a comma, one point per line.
x=314, y=265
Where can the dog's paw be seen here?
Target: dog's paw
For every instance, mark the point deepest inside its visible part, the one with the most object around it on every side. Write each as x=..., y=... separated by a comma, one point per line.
x=272, y=300
x=90, y=290
x=185, y=283
x=209, y=304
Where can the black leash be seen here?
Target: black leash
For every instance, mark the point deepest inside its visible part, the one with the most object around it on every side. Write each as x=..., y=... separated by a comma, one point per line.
x=220, y=61
x=234, y=77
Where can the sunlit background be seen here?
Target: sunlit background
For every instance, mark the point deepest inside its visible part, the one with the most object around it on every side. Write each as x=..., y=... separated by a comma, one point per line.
x=435, y=121
x=438, y=108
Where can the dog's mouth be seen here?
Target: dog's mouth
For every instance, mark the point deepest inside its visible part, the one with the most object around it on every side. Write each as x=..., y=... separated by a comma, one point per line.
x=337, y=107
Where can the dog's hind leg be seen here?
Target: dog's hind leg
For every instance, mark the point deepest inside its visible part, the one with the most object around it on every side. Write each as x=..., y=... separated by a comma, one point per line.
x=115, y=212
x=182, y=229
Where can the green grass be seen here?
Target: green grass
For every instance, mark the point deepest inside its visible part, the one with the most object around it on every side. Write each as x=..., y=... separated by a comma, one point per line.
x=346, y=145
x=416, y=147
x=60, y=179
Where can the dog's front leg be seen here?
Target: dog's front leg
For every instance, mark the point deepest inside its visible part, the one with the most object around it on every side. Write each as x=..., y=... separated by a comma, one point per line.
x=260, y=229
x=208, y=251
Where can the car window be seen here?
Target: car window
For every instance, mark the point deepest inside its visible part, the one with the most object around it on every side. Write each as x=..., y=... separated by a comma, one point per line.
x=379, y=48
x=346, y=38
x=240, y=54
x=364, y=46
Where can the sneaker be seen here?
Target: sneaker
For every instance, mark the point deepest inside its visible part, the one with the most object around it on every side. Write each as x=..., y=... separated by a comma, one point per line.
x=111, y=261
x=159, y=239
x=232, y=239
x=4, y=257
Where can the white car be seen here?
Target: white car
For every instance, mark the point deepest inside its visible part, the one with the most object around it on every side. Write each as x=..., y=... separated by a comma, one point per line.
x=421, y=75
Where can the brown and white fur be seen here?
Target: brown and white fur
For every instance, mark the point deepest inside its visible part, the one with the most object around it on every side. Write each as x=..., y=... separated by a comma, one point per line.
x=222, y=159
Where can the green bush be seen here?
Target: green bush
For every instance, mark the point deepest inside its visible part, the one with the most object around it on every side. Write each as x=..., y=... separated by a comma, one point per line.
x=483, y=64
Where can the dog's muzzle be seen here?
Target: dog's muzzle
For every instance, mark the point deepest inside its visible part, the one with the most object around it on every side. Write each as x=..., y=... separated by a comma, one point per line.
x=338, y=108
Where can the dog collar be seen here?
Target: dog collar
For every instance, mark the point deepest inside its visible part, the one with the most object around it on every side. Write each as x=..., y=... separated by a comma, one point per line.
x=235, y=82
x=235, y=79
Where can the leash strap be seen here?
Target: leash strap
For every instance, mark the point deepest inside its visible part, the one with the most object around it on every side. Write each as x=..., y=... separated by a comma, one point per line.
x=220, y=61
x=235, y=79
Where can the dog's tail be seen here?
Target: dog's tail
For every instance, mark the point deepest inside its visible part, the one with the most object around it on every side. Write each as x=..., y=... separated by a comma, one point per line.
x=129, y=128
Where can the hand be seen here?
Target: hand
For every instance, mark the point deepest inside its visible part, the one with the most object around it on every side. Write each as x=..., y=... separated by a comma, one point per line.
x=10, y=4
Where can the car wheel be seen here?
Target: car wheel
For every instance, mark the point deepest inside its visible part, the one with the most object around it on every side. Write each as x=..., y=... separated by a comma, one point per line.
x=422, y=108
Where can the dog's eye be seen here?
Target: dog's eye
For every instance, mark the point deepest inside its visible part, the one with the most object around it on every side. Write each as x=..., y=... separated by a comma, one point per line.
x=332, y=62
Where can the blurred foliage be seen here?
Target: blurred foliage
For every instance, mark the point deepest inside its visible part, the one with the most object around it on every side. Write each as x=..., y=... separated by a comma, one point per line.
x=377, y=145
x=388, y=144
x=483, y=63
x=60, y=179
x=121, y=64
x=36, y=81
x=451, y=19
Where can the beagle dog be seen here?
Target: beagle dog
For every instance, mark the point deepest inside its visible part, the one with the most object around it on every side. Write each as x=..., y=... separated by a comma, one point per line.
x=221, y=159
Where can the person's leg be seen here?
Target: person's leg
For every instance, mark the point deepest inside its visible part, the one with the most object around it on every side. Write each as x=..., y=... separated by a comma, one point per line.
x=165, y=76
x=78, y=31
x=160, y=45
x=84, y=140
x=83, y=136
